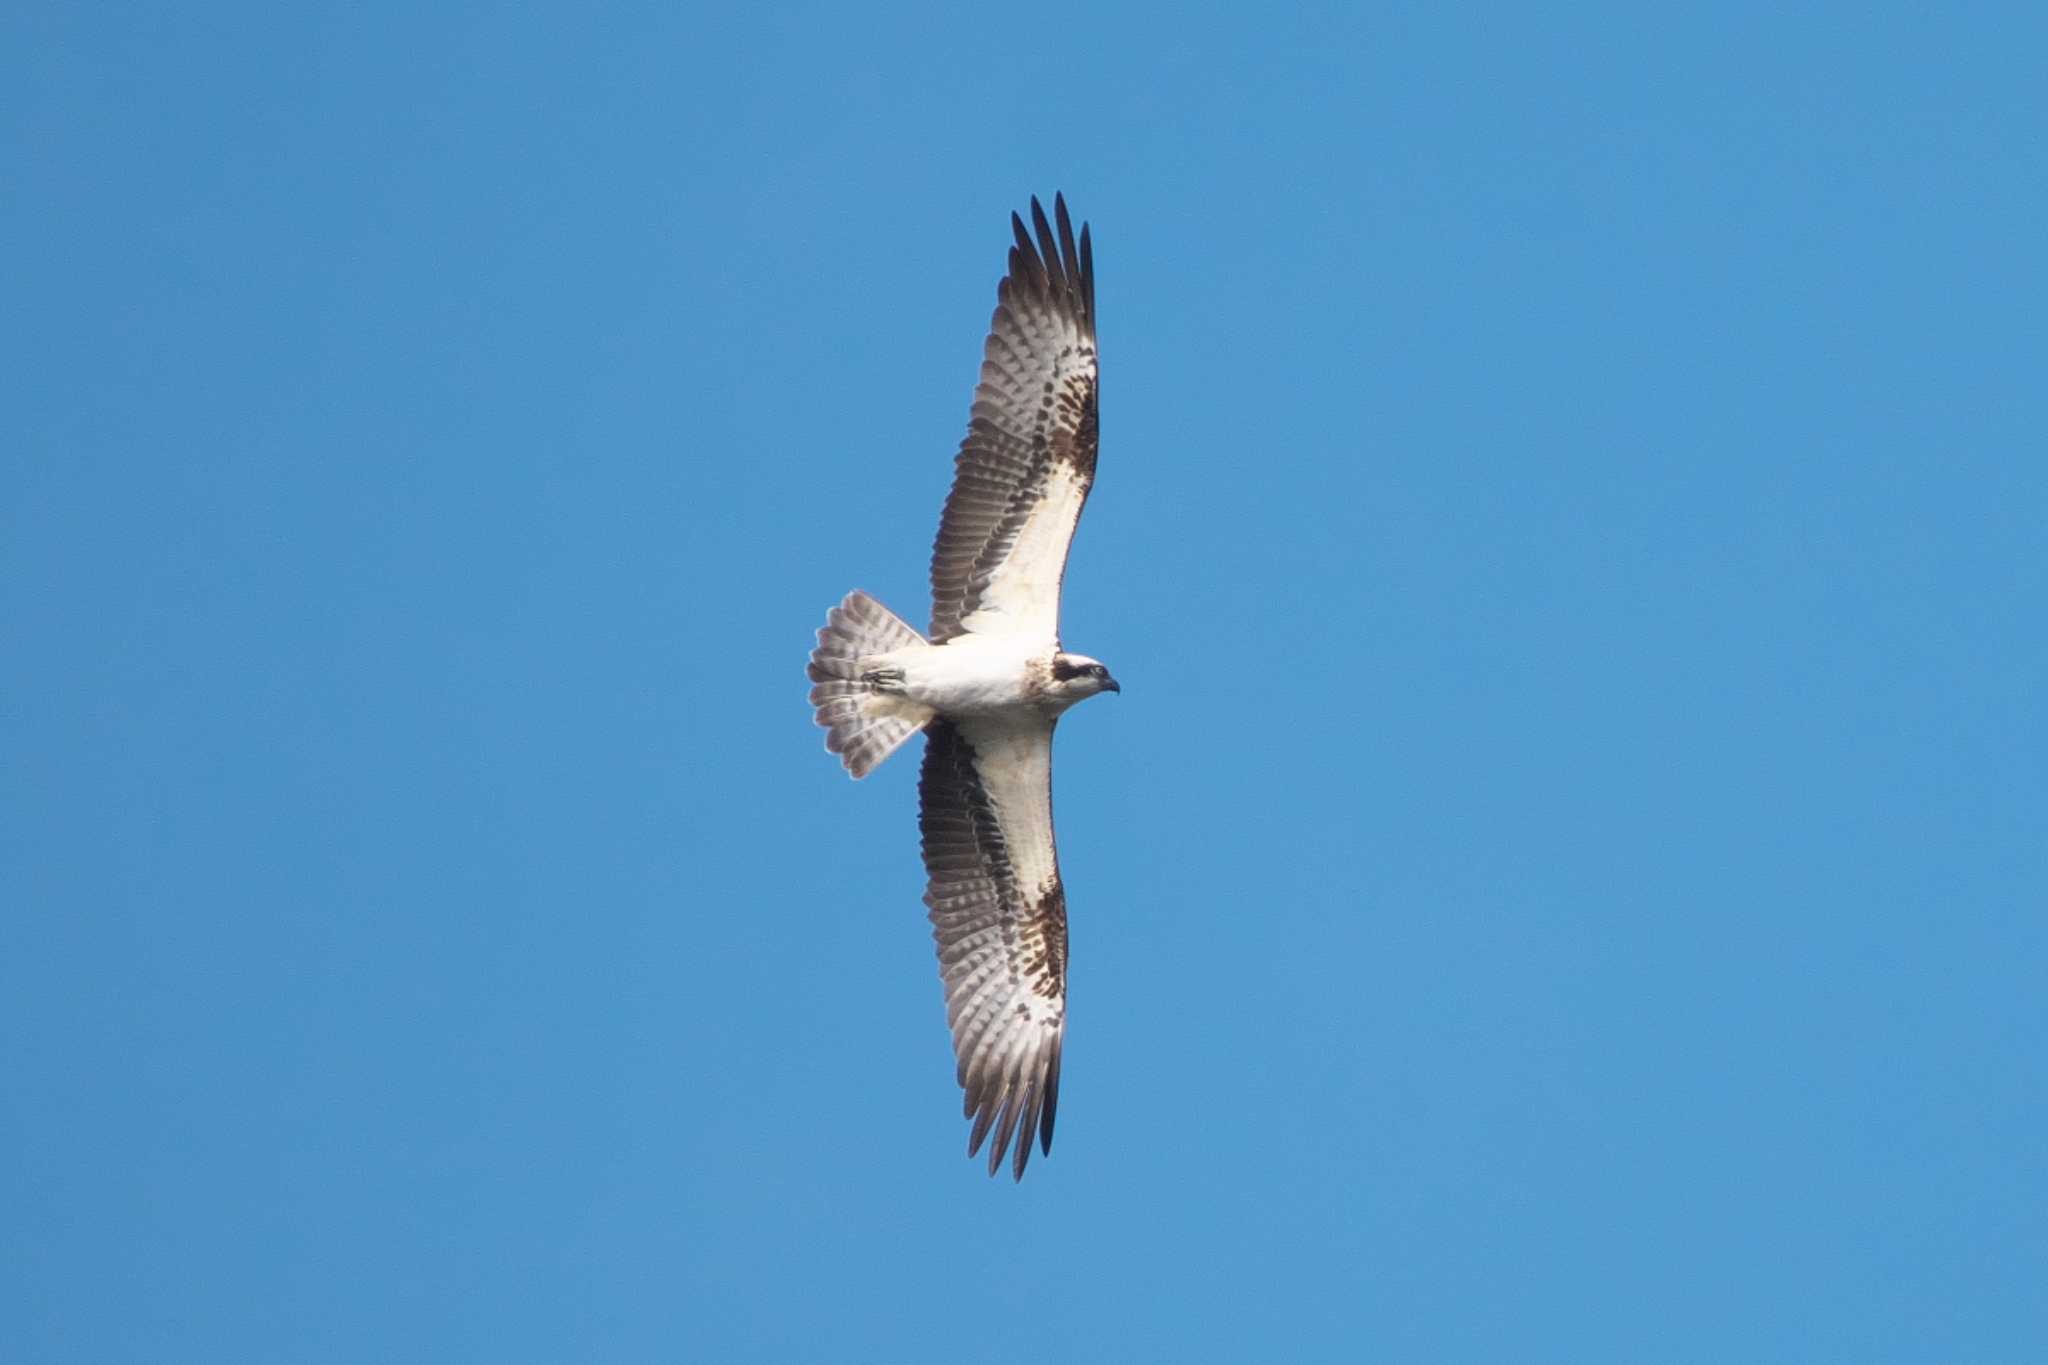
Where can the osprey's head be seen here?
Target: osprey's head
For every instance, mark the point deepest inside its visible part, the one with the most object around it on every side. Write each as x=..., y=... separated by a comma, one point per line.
x=1076, y=677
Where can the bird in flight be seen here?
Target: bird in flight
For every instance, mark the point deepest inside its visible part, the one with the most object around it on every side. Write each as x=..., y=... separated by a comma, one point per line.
x=989, y=684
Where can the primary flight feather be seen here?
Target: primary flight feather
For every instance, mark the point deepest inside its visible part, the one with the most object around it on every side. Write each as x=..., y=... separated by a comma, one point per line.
x=989, y=685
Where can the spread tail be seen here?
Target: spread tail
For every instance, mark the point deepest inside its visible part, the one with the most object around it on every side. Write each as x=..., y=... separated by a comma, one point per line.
x=864, y=720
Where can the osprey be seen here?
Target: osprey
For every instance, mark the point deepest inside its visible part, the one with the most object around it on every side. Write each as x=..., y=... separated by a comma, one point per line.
x=989, y=684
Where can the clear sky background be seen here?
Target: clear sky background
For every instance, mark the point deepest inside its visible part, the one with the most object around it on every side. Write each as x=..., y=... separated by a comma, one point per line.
x=1564, y=880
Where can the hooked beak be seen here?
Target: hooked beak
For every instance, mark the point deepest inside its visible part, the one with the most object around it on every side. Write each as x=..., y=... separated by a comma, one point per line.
x=1109, y=685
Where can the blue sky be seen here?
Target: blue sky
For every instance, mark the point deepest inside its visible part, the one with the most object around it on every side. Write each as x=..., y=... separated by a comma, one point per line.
x=1563, y=881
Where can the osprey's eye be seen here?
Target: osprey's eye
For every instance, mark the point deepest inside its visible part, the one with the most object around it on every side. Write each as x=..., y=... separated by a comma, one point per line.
x=1099, y=671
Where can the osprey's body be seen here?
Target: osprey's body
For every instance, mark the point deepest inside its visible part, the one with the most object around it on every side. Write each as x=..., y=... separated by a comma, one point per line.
x=988, y=686
x=982, y=675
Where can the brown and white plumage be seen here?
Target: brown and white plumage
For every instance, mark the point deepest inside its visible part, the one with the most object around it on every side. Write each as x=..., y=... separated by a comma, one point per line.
x=999, y=918
x=1029, y=458
x=989, y=688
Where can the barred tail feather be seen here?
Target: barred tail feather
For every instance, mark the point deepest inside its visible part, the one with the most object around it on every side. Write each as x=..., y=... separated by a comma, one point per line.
x=863, y=723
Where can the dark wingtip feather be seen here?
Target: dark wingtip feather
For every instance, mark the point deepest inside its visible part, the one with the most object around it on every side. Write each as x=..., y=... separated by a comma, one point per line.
x=1070, y=259
x=984, y=1117
x=1027, y=1130
x=998, y=1146
x=1088, y=276
x=1048, y=249
x=986, y=1124
x=1024, y=264
x=1014, y=1104
x=1052, y=1097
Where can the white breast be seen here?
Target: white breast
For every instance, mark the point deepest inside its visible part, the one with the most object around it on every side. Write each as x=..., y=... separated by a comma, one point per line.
x=969, y=675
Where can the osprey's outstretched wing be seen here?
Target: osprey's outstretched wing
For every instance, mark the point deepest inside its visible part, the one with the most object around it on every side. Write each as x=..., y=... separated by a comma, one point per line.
x=999, y=917
x=1029, y=457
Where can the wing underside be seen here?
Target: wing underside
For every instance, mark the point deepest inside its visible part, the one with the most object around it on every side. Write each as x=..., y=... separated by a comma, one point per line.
x=1028, y=461
x=999, y=919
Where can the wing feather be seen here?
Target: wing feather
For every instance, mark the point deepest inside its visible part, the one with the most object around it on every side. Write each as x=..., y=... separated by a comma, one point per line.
x=1028, y=461
x=999, y=920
